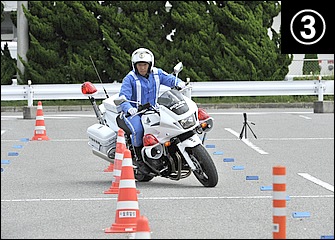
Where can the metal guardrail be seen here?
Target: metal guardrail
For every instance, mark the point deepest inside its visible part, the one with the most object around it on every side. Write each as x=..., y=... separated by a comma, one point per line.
x=198, y=89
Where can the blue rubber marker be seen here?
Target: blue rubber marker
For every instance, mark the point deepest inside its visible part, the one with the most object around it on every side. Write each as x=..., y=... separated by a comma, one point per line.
x=210, y=146
x=301, y=214
x=238, y=167
x=17, y=146
x=252, y=178
x=218, y=153
x=266, y=188
x=327, y=237
x=13, y=154
x=228, y=159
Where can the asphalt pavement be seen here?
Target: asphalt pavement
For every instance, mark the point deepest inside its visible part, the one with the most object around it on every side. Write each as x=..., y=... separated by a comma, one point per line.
x=55, y=189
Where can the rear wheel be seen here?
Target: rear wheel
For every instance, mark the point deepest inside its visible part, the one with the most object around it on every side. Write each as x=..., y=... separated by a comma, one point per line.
x=206, y=171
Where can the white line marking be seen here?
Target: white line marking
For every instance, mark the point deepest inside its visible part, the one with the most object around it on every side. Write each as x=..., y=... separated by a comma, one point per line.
x=52, y=116
x=317, y=181
x=304, y=117
x=270, y=139
x=256, y=113
x=246, y=141
x=54, y=140
x=210, y=139
x=154, y=198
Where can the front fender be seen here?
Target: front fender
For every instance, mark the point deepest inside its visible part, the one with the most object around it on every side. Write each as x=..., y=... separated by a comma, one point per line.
x=189, y=143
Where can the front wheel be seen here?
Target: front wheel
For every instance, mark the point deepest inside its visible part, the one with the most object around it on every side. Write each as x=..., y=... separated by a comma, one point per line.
x=205, y=171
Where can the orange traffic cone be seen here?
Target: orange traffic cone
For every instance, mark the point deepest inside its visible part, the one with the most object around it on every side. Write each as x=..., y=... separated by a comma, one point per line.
x=39, y=132
x=110, y=168
x=142, y=229
x=119, y=151
x=127, y=210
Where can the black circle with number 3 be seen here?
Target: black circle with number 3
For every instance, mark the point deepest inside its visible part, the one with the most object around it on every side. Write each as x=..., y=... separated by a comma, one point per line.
x=307, y=27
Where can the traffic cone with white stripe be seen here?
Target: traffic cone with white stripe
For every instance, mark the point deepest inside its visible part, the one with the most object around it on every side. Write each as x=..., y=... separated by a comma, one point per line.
x=127, y=210
x=143, y=229
x=119, y=151
x=110, y=168
x=40, y=131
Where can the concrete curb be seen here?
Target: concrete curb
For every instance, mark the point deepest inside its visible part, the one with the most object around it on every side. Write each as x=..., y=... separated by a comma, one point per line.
x=324, y=107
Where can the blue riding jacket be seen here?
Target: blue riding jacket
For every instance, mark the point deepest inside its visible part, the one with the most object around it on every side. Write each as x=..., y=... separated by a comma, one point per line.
x=141, y=90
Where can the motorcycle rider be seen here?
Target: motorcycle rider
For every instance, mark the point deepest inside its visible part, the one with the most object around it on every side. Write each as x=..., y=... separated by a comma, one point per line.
x=142, y=85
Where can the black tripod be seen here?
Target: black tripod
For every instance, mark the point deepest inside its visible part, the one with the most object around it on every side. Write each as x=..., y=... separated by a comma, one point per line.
x=245, y=125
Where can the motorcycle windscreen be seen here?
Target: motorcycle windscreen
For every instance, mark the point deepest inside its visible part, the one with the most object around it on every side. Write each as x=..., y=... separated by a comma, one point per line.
x=173, y=100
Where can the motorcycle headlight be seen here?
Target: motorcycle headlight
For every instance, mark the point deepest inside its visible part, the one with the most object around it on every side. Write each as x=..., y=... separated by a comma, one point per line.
x=188, y=122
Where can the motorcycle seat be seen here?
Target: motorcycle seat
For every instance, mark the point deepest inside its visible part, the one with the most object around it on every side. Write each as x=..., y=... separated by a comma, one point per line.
x=120, y=122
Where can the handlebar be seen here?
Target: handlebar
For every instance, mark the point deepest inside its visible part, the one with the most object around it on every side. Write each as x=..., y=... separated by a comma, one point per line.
x=147, y=106
x=177, y=88
x=142, y=108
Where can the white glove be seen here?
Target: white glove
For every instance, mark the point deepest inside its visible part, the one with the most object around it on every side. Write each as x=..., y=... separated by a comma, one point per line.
x=181, y=84
x=132, y=111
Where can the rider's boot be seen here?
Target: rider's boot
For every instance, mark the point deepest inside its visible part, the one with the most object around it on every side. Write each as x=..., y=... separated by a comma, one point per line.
x=140, y=164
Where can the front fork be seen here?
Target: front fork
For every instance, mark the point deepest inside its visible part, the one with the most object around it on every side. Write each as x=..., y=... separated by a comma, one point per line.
x=189, y=143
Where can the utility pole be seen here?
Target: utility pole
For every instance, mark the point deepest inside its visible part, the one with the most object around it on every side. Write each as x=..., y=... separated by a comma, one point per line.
x=29, y=111
x=22, y=37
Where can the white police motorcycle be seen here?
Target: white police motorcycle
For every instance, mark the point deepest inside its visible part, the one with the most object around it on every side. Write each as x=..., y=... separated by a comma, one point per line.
x=172, y=145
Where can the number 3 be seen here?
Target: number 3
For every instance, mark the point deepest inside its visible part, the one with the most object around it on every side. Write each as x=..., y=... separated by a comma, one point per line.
x=308, y=26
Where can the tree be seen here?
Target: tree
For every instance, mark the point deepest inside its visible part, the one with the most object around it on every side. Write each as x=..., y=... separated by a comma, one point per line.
x=226, y=40
x=8, y=66
x=2, y=8
x=128, y=25
x=63, y=37
x=229, y=41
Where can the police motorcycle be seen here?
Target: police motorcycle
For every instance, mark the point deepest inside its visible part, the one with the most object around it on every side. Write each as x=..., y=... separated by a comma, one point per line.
x=172, y=147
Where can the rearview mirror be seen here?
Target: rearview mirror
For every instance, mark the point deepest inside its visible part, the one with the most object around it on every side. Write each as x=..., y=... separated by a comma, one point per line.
x=178, y=68
x=119, y=100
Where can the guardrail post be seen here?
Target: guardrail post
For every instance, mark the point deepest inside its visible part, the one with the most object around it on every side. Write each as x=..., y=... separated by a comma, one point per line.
x=320, y=89
x=188, y=89
x=279, y=202
x=14, y=82
x=29, y=112
x=30, y=94
x=322, y=106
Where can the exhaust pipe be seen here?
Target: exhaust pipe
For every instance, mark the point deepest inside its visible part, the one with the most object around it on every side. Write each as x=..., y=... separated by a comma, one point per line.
x=103, y=156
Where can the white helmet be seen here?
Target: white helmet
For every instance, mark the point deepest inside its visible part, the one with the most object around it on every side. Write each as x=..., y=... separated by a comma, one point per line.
x=142, y=55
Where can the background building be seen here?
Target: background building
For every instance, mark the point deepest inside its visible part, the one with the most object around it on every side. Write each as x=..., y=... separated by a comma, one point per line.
x=8, y=30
